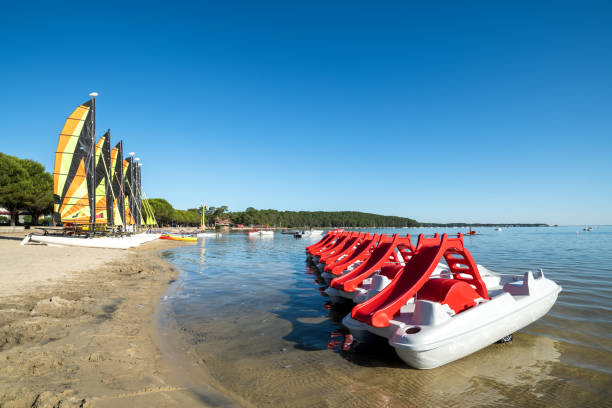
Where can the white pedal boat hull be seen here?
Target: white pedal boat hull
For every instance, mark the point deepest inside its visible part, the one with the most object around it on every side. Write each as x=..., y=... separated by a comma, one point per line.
x=425, y=335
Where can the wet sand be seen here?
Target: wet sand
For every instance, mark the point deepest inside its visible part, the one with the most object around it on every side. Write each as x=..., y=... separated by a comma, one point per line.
x=75, y=336
x=257, y=359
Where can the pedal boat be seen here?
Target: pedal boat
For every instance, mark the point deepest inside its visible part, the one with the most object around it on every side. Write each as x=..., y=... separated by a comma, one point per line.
x=352, y=259
x=328, y=238
x=434, y=320
x=384, y=260
x=343, y=245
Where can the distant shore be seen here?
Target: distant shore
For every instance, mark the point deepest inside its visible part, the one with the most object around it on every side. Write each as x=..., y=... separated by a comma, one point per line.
x=193, y=230
x=76, y=327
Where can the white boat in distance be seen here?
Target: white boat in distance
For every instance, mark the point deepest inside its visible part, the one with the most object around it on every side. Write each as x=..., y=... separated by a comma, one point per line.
x=260, y=233
x=209, y=234
x=97, y=242
x=308, y=234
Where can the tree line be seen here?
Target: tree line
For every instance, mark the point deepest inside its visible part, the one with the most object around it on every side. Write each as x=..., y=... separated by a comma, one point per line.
x=25, y=186
x=326, y=219
x=167, y=215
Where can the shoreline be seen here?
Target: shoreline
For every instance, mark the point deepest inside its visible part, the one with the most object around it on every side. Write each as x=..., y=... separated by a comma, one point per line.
x=87, y=337
x=179, y=353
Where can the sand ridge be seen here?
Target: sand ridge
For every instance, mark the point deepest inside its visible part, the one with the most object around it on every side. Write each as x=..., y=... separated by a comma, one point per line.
x=75, y=337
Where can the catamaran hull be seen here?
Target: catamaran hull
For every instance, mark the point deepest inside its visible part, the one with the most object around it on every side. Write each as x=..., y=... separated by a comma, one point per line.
x=101, y=242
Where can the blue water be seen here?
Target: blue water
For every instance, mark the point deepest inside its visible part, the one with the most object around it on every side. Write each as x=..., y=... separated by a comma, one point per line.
x=255, y=314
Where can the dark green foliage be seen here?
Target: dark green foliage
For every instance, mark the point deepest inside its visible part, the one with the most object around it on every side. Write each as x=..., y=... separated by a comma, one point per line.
x=25, y=186
x=14, y=185
x=164, y=213
x=326, y=219
x=40, y=197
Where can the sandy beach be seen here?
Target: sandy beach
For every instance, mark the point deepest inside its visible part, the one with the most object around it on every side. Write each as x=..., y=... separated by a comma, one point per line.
x=77, y=329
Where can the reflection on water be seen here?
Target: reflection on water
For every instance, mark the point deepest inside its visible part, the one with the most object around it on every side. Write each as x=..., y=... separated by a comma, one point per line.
x=257, y=326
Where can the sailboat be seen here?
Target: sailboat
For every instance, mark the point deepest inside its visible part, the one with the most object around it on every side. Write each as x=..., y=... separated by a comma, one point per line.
x=206, y=234
x=95, y=191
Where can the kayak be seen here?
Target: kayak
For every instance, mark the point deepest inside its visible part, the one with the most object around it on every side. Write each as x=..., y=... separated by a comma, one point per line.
x=179, y=238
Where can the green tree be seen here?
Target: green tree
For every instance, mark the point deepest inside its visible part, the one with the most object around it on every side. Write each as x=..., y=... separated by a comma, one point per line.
x=40, y=197
x=162, y=209
x=15, y=185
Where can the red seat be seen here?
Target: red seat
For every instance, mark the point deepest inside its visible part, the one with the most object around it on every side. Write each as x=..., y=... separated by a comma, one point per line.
x=458, y=295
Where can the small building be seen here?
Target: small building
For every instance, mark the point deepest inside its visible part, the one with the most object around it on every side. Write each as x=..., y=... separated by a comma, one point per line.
x=222, y=222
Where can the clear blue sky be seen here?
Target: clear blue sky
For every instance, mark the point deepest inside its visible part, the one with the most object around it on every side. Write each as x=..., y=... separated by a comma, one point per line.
x=453, y=111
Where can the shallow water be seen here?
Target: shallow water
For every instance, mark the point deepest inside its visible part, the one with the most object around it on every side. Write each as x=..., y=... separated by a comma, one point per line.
x=247, y=322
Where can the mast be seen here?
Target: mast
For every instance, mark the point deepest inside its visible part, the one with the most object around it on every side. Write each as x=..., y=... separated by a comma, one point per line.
x=204, y=215
x=120, y=160
x=131, y=183
x=110, y=194
x=139, y=192
x=92, y=198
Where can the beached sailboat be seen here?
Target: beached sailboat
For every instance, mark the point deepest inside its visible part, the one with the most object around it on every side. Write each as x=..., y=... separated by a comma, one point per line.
x=94, y=242
x=94, y=190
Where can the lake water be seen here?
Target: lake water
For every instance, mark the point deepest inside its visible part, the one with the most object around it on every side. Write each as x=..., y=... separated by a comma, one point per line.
x=247, y=324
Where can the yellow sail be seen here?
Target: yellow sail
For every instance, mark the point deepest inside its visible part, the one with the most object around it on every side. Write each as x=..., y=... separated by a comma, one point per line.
x=71, y=189
x=129, y=217
x=102, y=150
x=116, y=170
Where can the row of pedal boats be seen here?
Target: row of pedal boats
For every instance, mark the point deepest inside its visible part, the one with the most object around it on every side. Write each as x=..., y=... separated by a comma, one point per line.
x=431, y=301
